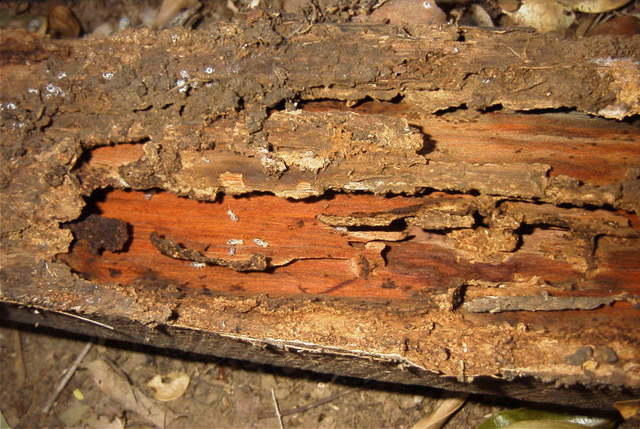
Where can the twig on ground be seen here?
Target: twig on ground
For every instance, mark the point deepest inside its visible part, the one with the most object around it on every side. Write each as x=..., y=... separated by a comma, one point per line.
x=308, y=407
x=67, y=376
x=442, y=411
x=277, y=407
x=232, y=6
x=21, y=373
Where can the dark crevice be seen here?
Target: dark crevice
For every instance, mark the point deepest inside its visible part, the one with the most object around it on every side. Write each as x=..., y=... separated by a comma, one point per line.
x=451, y=109
x=426, y=191
x=364, y=105
x=542, y=111
x=633, y=120
x=245, y=195
x=83, y=159
x=478, y=221
x=98, y=195
x=520, y=200
x=492, y=108
x=143, y=109
x=399, y=98
x=529, y=229
x=589, y=207
x=280, y=106
x=586, y=207
x=397, y=225
x=327, y=195
x=173, y=316
x=523, y=230
x=428, y=143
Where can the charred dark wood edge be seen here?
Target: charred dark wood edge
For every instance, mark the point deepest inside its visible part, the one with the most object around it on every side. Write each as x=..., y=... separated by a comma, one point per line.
x=384, y=368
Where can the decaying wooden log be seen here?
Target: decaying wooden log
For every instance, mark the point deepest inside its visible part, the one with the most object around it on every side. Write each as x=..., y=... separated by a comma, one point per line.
x=356, y=199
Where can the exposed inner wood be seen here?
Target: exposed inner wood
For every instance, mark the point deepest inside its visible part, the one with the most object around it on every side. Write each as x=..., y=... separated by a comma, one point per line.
x=307, y=256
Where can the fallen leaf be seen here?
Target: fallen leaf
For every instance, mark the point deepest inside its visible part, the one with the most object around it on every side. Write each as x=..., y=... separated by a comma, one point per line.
x=62, y=22
x=542, y=419
x=594, y=6
x=543, y=15
x=442, y=411
x=174, y=387
x=546, y=424
x=628, y=409
x=3, y=422
x=115, y=385
x=412, y=12
x=73, y=415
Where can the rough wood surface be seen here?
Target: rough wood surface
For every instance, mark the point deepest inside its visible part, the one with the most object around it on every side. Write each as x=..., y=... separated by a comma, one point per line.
x=356, y=199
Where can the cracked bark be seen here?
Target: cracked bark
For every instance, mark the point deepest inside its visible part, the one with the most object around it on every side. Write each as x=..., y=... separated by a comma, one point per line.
x=378, y=239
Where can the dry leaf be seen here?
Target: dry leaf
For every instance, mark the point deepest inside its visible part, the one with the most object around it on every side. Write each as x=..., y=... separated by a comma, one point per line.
x=543, y=15
x=478, y=16
x=174, y=387
x=411, y=12
x=546, y=424
x=115, y=385
x=74, y=415
x=444, y=409
x=594, y=6
x=628, y=409
x=62, y=22
x=169, y=9
x=3, y=422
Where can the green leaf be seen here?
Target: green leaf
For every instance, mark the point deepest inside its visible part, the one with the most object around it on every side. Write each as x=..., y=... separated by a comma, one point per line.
x=509, y=417
x=3, y=422
x=544, y=424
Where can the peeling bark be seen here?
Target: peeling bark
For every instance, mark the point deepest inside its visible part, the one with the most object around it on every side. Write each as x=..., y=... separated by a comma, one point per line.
x=541, y=303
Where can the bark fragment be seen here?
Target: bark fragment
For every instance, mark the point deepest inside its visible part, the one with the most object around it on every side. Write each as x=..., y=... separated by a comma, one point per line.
x=541, y=303
x=172, y=249
x=101, y=233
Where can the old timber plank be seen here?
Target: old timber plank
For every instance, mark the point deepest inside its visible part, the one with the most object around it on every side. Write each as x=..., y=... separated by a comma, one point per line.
x=218, y=186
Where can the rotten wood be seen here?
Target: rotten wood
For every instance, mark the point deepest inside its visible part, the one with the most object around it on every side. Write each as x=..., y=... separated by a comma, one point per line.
x=356, y=199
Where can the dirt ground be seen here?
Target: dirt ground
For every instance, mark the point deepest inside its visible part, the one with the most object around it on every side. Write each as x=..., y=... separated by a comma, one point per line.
x=221, y=393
